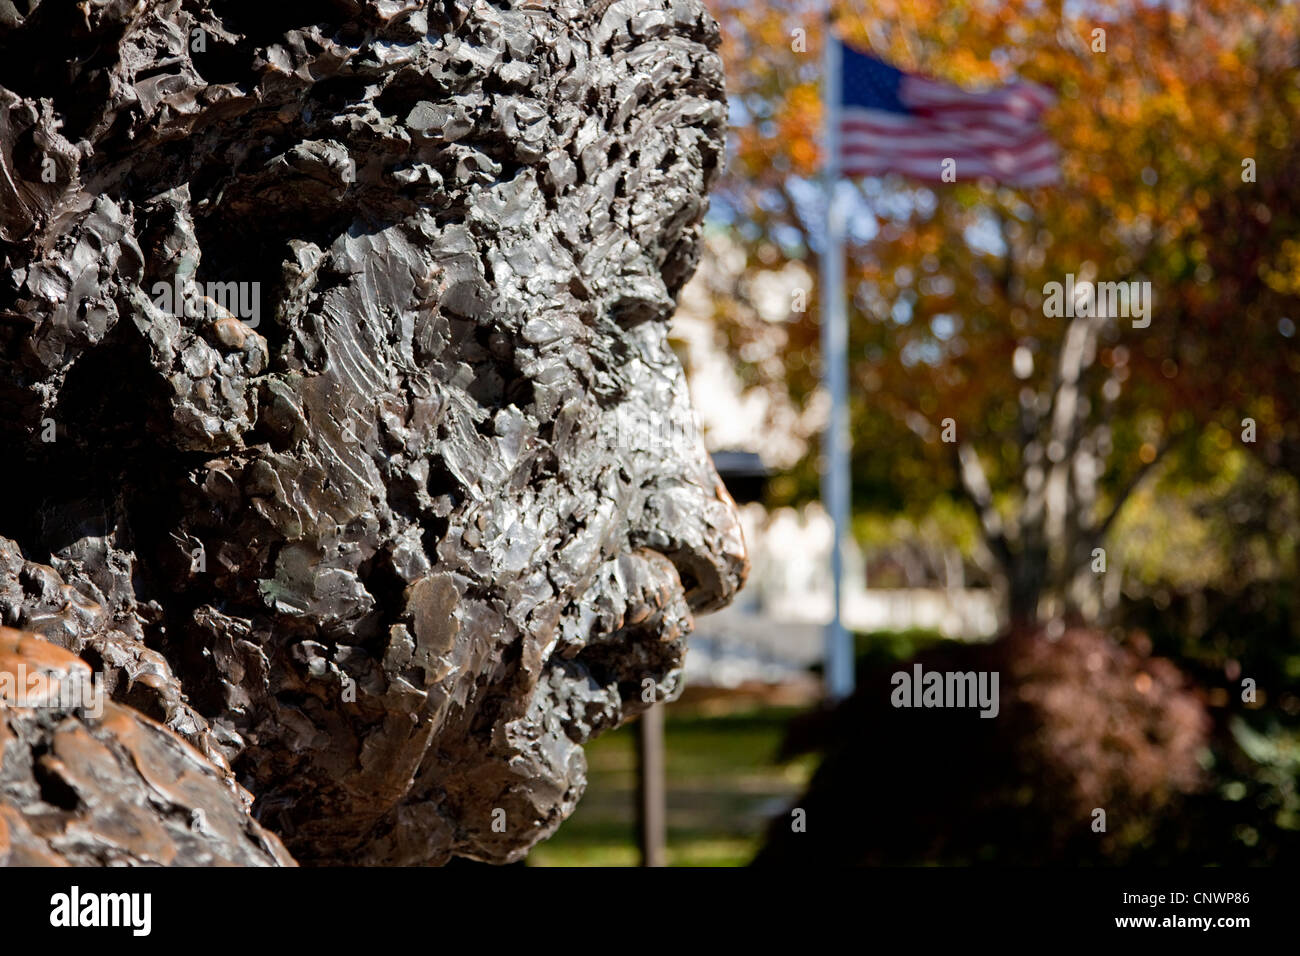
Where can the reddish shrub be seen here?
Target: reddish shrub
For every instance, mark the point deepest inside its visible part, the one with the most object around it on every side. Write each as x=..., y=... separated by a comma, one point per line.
x=1083, y=724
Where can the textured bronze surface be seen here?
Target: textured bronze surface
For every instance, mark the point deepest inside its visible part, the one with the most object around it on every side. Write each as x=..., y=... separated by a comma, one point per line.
x=345, y=441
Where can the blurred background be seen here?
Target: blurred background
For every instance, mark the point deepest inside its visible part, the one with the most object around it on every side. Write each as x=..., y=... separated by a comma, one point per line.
x=1115, y=529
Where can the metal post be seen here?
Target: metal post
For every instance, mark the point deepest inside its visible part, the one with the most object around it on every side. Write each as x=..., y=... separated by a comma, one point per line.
x=651, y=805
x=834, y=340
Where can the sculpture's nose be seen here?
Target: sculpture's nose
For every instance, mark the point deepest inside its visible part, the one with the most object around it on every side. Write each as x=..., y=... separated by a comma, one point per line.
x=691, y=518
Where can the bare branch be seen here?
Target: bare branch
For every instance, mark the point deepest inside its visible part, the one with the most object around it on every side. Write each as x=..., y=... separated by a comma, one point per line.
x=975, y=486
x=1127, y=490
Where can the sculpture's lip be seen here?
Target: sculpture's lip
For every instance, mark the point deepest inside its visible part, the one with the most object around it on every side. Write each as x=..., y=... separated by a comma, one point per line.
x=634, y=660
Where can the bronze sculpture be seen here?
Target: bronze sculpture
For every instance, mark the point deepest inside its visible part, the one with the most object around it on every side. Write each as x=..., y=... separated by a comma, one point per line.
x=347, y=445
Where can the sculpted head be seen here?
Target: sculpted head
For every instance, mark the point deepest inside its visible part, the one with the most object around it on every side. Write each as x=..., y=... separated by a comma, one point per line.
x=373, y=472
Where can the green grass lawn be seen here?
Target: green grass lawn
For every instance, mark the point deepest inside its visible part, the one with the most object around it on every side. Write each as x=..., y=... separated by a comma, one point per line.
x=723, y=786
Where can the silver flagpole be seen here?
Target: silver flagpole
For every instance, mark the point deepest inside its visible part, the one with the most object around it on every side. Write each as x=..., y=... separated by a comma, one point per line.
x=834, y=341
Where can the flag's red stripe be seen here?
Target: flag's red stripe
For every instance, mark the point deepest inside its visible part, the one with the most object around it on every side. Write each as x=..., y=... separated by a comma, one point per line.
x=1028, y=162
x=1042, y=171
x=887, y=142
x=903, y=149
x=885, y=122
x=867, y=159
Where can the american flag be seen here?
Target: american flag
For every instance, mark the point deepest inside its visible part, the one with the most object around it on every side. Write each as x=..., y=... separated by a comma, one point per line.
x=891, y=121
